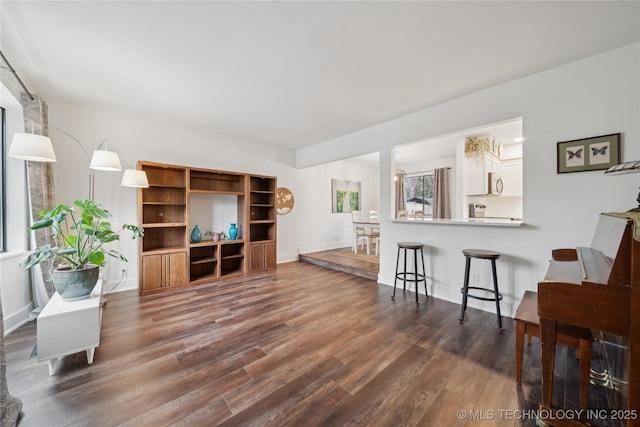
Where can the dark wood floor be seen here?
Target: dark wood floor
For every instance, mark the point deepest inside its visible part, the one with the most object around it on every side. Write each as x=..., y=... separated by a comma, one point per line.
x=301, y=346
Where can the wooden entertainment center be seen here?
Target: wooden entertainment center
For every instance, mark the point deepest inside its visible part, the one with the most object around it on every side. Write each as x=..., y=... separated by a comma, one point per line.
x=168, y=257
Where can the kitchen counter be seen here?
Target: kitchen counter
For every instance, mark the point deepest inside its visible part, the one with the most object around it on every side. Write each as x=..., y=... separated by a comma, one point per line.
x=499, y=222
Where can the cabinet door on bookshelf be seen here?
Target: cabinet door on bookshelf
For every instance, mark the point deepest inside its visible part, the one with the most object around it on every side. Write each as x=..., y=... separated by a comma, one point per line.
x=152, y=272
x=164, y=270
x=262, y=256
x=176, y=272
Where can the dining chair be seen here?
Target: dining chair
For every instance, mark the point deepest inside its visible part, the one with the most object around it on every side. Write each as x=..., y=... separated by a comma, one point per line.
x=375, y=231
x=362, y=233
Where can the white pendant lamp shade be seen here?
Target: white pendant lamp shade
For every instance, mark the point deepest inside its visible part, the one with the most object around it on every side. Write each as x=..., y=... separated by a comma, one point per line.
x=29, y=146
x=104, y=160
x=135, y=178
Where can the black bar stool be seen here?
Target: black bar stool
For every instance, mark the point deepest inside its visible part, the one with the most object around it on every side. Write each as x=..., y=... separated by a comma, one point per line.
x=415, y=276
x=496, y=295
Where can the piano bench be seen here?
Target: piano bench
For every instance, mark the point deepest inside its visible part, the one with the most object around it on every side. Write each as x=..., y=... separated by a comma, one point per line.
x=580, y=339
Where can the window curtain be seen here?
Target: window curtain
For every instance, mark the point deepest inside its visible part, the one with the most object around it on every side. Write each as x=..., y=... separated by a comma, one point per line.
x=441, y=198
x=399, y=180
x=41, y=196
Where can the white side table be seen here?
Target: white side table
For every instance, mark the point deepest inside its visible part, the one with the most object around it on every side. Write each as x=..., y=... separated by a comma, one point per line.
x=68, y=327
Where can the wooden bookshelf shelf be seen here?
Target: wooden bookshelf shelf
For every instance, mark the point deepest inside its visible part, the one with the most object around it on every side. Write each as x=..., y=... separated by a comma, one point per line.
x=237, y=193
x=204, y=260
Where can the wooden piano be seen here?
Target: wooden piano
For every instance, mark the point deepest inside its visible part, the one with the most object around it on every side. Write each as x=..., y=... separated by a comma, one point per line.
x=595, y=287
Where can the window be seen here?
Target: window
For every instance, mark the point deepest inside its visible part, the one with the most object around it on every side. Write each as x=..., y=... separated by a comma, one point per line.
x=3, y=192
x=418, y=194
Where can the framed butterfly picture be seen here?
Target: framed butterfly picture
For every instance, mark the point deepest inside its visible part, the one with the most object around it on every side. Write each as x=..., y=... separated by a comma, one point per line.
x=589, y=154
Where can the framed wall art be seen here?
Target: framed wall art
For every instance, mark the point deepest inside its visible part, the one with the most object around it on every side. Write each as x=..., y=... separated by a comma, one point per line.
x=345, y=195
x=284, y=201
x=589, y=154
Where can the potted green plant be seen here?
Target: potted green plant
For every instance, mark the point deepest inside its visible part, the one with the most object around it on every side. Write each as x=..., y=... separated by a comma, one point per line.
x=81, y=233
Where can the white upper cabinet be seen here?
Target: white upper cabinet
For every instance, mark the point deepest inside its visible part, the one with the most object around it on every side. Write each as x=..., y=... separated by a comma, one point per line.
x=476, y=173
x=511, y=172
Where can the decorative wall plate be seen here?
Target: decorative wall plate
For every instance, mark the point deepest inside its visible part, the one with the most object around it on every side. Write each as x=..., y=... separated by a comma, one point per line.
x=284, y=201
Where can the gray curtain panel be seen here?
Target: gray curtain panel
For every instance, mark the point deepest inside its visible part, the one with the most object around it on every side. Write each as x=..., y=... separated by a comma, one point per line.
x=441, y=195
x=41, y=196
x=400, y=205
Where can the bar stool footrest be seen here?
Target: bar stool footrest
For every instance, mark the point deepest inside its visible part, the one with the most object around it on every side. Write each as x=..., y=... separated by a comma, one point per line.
x=417, y=277
x=477, y=288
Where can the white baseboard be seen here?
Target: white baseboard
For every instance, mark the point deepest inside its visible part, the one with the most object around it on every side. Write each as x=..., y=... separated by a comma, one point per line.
x=17, y=319
x=282, y=258
x=129, y=284
x=325, y=246
x=507, y=308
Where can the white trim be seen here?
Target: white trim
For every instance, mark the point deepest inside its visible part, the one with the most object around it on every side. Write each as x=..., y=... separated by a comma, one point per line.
x=9, y=255
x=325, y=246
x=282, y=258
x=507, y=305
x=125, y=285
x=17, y=319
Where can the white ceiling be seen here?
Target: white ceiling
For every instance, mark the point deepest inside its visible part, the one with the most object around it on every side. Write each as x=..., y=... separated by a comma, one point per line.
x=292, y=73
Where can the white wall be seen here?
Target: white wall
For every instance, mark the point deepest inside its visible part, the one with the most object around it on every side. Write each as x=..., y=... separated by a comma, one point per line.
x=214, y=213
x=318, y=227
x=594, y=96
x=310, y=226
x=15, y=286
